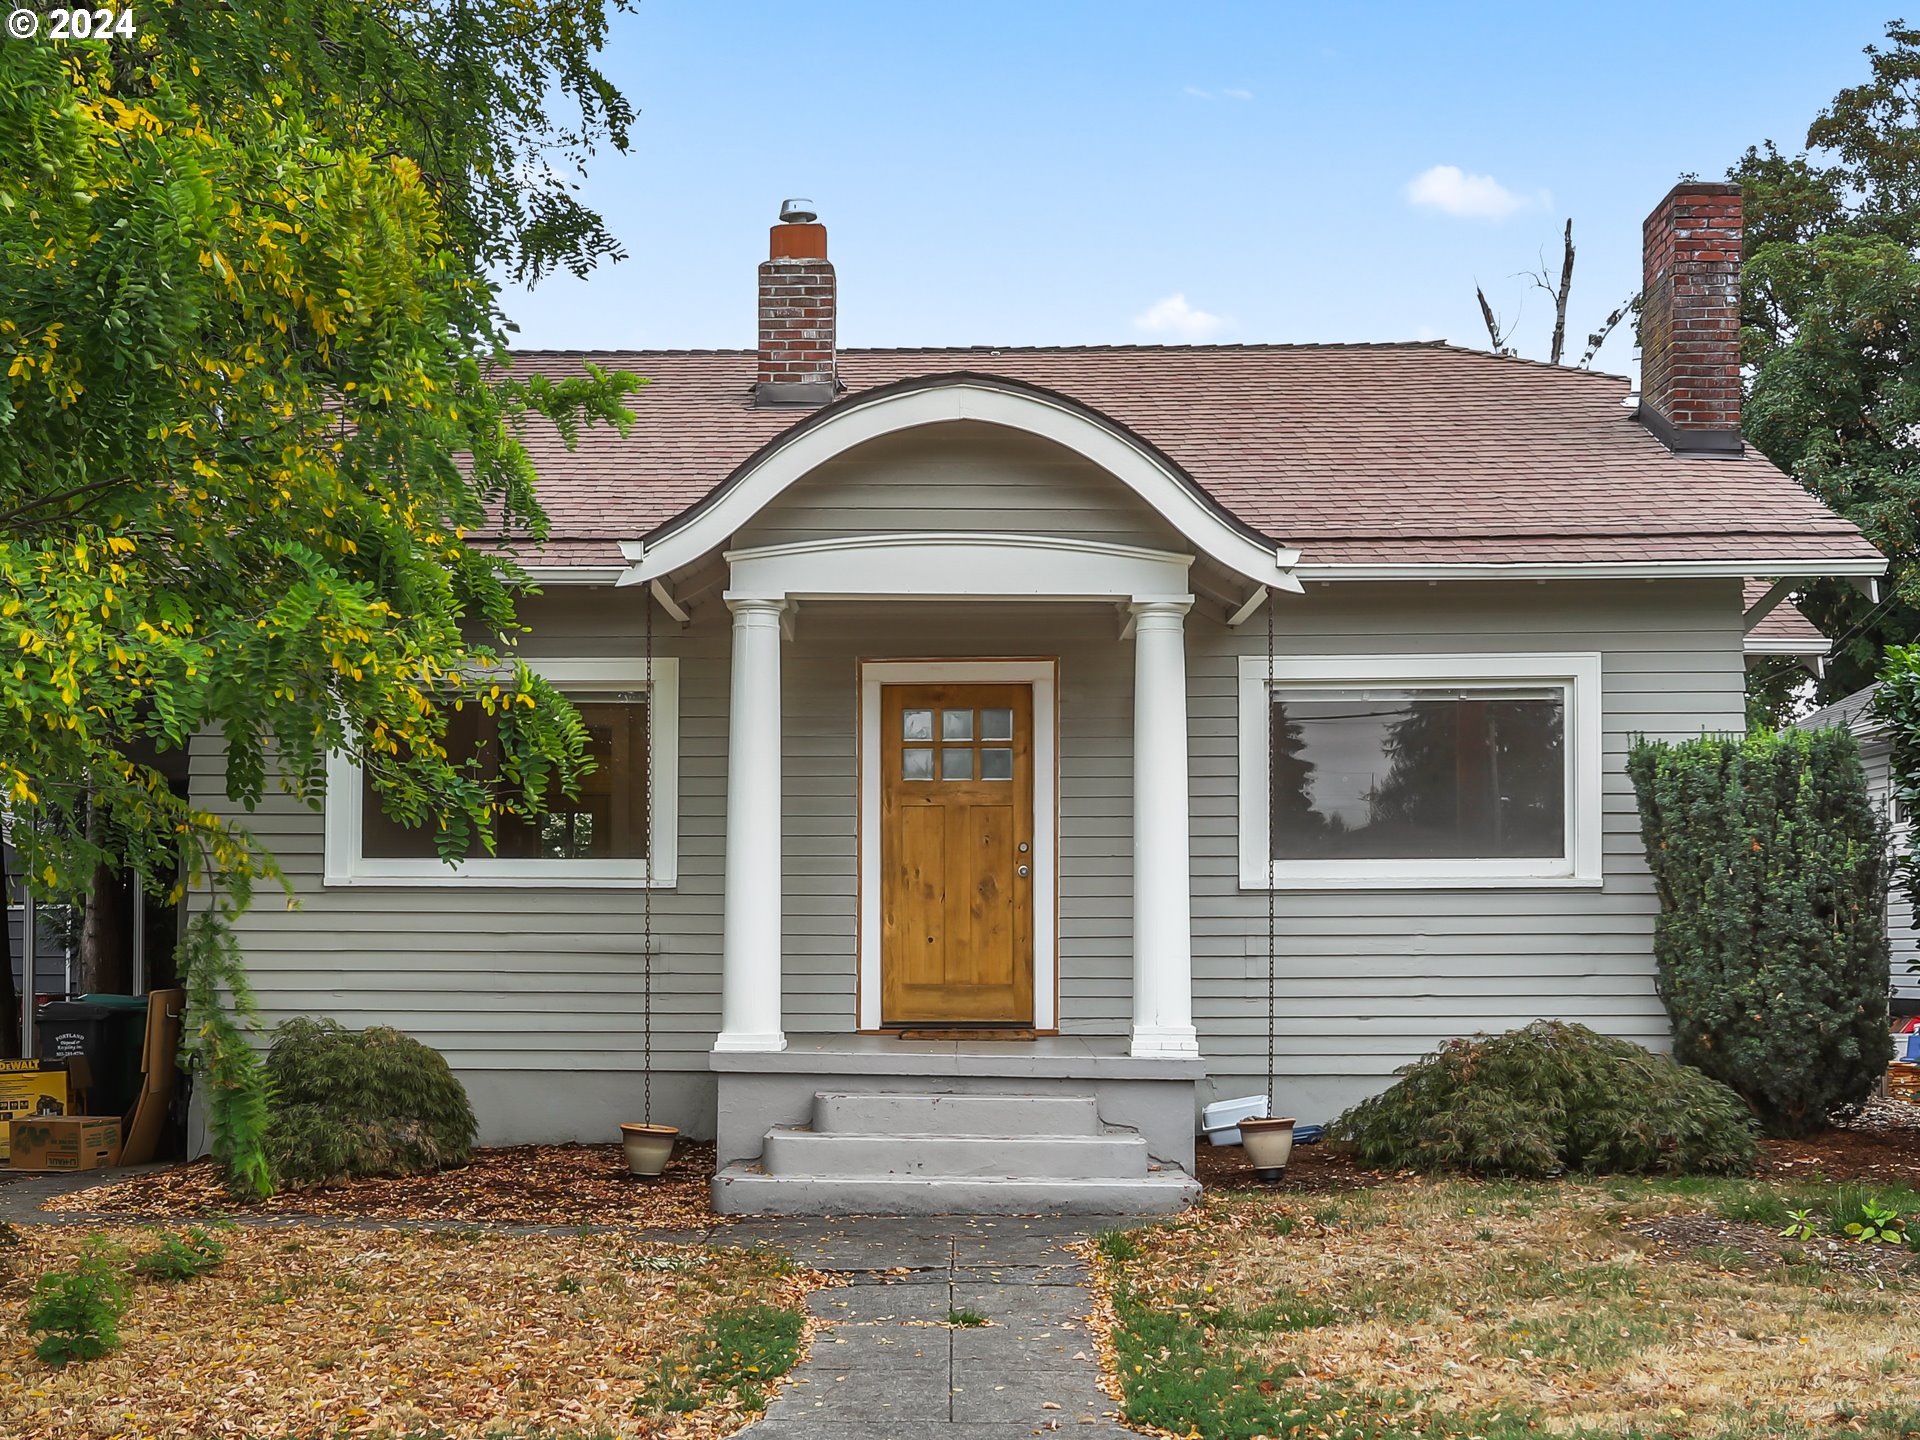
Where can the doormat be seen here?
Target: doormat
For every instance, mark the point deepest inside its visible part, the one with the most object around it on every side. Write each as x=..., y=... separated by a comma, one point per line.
x=975, y=1034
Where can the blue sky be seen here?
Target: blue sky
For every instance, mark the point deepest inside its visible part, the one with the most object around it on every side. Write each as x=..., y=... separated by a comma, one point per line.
x=1073, y=173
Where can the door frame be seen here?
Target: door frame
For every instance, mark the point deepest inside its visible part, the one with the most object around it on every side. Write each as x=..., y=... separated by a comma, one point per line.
x=1042, y=673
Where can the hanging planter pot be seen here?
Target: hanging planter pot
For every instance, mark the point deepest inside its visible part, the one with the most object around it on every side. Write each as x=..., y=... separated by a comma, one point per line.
x=1269, y=1145
x=648, y=1148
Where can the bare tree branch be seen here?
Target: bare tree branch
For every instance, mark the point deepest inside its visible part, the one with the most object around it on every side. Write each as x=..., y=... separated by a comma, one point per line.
x=1543, y=279
x=1493, y=324
x=1599, y=337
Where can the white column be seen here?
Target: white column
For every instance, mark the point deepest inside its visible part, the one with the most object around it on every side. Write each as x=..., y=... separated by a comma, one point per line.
x=1162, y=909
x=750, y=947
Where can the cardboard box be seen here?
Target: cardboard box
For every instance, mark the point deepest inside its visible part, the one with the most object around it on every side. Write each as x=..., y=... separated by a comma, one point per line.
x=1903, y=1082
x=65, y=1142
x=29, y=1088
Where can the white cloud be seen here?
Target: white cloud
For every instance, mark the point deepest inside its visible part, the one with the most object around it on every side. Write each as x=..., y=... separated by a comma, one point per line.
x=1198, y=93
x=1450, y=189
x=1238, y=94
x=1174, y=317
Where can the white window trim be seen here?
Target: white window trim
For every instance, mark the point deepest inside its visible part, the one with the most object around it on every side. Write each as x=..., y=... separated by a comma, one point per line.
x=1578, y=673
x=1042, y=675
x=346, y=865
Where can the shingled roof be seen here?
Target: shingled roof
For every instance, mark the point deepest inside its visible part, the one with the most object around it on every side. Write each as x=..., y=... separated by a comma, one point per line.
x=1853, y=712
x=1783, y=630
x=1361, y=455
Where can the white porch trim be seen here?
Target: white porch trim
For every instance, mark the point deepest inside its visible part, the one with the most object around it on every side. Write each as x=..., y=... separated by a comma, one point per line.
x=1043, y=676
x=854, y=422
x=766, y=581
x=750, y=960
x=1162, y=817
x=957, y=565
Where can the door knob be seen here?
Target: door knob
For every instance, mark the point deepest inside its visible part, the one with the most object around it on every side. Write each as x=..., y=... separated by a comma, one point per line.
x=1023, y=872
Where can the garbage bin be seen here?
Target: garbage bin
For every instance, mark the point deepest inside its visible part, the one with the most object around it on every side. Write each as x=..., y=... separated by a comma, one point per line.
x=108, y=1030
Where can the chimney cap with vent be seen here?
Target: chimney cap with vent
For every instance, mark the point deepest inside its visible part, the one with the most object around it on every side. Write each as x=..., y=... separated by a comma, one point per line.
x=798, y=304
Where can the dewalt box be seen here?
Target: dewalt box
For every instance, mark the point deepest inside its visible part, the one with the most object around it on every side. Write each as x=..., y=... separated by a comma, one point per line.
x=64, y=1142
x=29, y=1088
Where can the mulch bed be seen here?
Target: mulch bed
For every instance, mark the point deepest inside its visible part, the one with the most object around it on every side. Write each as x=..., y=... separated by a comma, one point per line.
x=1882, y=1143
x=1681, y=1236
x=510, y=1185
x=1312, y=1168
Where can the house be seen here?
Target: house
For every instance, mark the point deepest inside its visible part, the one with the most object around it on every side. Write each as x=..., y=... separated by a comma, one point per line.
x=992, y=709
x=1854, y=713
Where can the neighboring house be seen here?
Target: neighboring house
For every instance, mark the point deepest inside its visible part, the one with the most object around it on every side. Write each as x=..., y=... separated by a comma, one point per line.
x=52, y=925
x=958, y=731
x=1778, y=635
x=1855, y=714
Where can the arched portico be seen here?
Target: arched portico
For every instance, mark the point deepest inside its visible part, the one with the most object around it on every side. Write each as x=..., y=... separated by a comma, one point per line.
x=831, y=433
x=1148, y=587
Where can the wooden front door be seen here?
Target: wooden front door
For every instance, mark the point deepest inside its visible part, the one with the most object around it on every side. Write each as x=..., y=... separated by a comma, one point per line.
x=956, y=854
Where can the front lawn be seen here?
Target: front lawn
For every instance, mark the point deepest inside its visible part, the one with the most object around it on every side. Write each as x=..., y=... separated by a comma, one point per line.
x=1619, y=1308
x=306, y=1332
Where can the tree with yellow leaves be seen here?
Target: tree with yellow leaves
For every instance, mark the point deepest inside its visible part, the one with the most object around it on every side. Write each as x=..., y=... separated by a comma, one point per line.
x=255, y=410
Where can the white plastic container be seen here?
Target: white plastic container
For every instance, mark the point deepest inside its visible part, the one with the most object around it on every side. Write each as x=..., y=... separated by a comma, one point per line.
x=1221, y=1120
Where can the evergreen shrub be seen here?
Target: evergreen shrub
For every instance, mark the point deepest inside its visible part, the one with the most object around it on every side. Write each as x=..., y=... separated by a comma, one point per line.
x=76, y=1313
x=349, y=1103
x=1771, y=865
x=1551, y=1097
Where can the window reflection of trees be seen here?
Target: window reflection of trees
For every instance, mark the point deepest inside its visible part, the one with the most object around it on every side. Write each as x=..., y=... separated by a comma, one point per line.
x=1462, y=775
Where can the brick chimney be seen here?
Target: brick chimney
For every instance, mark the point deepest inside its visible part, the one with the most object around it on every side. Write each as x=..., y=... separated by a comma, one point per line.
x=796, y=313
x=1690, y=320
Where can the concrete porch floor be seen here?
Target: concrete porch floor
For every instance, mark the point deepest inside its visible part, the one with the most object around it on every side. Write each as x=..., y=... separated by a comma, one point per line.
x=1085, y=1056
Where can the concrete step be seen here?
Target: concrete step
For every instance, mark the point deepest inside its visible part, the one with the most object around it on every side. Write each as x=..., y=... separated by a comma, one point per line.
x=871, y=1112
x=744, y=1189
x=1121, y=1155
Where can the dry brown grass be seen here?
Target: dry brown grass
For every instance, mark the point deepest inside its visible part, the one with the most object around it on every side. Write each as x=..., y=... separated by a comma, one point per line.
x=306, y=1331
x=1537, y=1300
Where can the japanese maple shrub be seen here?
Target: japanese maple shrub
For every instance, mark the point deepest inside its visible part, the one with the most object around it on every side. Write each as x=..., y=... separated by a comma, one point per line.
x=1771, y=865
x=349, y=1103
x=1547, y=1098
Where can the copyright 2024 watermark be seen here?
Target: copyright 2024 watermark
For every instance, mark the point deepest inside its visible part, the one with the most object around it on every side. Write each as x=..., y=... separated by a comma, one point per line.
x=62, y=23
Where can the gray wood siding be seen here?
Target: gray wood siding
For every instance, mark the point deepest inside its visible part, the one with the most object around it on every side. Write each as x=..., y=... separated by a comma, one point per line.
x=515, y=979
x=1370, y=979
x=522, y=980
x=1903, y=940
x=962, y=476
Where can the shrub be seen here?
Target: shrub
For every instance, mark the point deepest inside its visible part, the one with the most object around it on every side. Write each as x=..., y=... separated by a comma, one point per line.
x=1551, y=1097
x=217, y=1040
x=1771, y=865
x=362, y=1102
x=76, y=1313
x=182, y=1257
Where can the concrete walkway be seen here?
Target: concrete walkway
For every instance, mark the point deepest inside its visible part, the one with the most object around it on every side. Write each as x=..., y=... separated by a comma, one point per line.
x=888, y=1366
